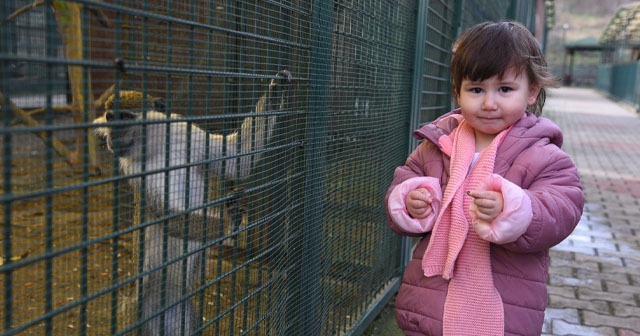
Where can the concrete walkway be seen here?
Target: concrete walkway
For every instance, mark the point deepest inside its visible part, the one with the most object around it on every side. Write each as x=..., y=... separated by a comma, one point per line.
x=594, y=282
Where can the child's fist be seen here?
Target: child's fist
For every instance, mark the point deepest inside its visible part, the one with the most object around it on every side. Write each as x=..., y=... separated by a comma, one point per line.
x=414, y=204
x=500, y=211
x=487, y=201
x=419, y=203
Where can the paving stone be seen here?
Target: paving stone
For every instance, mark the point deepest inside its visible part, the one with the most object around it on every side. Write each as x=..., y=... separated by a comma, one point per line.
x=557, y=302
x=596, y=319
x=567, y=314
x=621, y=297
x=617, y=287
x=560, y=327
x=582, y=273
x=560, y=280
x=622, y=310
x=562, y=291
x=598, y=260
x=563, y=270
x=570, y=247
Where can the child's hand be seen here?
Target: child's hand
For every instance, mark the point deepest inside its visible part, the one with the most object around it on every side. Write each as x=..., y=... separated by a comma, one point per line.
x=419, y=203
x=413, y=204
x=487, y=201
x=500, y=211
x=487, y=205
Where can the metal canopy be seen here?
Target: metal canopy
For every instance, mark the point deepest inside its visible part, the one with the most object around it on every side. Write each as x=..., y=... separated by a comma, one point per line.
x=624, y=27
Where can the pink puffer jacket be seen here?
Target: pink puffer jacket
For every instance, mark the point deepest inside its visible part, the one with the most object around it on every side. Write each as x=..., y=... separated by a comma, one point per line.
x=530, y=157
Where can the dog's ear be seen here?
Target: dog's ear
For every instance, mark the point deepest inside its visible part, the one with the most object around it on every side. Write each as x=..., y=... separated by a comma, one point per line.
x=123, y=114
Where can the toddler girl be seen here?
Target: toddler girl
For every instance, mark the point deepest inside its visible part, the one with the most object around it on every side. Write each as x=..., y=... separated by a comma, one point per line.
x=489, y=191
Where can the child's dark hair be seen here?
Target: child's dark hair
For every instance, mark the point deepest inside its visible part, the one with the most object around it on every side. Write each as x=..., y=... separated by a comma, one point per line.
x=491, y=48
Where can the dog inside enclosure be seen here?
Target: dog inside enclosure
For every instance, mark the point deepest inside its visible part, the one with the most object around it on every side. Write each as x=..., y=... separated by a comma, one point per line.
x=169, y=161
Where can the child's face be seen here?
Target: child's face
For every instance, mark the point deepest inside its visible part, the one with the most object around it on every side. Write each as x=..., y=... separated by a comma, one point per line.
x=492, y=105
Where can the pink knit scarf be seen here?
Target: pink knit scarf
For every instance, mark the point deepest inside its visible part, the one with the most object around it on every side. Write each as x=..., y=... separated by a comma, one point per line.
x=473, y=305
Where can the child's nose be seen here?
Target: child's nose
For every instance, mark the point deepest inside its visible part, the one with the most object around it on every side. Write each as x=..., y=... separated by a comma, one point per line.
x=489, y=102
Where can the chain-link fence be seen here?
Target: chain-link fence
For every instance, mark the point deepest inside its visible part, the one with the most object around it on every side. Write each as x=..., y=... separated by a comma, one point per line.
x=209, y=167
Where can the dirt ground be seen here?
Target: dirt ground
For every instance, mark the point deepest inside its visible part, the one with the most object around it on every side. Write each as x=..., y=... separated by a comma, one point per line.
x=67, y=251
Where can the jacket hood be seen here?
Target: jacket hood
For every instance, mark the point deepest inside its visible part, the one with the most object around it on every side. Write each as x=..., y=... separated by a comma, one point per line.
x=525, y=132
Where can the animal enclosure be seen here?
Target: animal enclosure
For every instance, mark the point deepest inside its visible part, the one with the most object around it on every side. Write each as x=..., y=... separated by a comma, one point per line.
x=298, y=245
x=210, y=167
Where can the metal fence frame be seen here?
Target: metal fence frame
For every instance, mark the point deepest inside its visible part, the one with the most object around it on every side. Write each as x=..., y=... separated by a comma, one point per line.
x=367, y=73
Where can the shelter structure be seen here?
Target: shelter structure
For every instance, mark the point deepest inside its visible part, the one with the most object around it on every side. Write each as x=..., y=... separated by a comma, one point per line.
x=588, y=45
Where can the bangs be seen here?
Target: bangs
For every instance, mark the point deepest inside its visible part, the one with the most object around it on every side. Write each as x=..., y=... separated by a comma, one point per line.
x=490, y=51
x=485, y=65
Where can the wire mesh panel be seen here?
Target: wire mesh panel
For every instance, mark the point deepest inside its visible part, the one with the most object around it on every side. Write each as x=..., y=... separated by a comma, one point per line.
x=475, y=11
x=199, y=167
x=175, y=218
x=372, y=51
x=439, y=24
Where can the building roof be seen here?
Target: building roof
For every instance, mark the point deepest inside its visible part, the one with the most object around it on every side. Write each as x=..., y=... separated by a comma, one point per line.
x=624, y=27
x=590, y=43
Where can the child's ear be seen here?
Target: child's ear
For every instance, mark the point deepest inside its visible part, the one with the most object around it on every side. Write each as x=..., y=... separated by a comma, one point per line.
x=534, y=90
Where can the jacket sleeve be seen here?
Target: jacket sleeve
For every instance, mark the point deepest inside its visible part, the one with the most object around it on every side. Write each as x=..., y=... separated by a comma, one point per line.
x=515, y=217
x=397, y=208
x=551, y=180
x=426, y=160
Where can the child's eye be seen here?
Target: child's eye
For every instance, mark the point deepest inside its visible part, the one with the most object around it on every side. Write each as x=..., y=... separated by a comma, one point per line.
x=475, y=90
x=505, y=89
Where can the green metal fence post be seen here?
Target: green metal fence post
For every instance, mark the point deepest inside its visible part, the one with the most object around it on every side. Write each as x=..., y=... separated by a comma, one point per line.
x=7, y=276
x=457, y=19
x=311, y=293
x=416, y=99
x=511, y=12
x=418, y=69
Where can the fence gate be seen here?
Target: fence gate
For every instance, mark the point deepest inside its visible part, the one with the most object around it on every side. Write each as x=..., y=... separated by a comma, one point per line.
x=233, y=182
